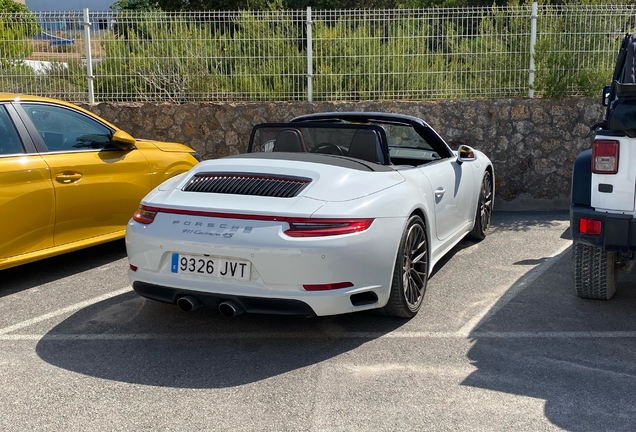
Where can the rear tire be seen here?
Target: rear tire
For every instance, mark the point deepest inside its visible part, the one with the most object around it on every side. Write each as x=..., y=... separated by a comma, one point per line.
x=595, y=272
x=410, y=273
x=484, y=208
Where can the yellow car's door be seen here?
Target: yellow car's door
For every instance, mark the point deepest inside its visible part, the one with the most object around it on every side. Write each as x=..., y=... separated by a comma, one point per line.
x=98, y=186
x=27, y=199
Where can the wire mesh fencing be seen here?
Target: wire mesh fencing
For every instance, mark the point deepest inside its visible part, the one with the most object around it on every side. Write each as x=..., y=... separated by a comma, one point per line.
x=422, y=54
x=289, y=55
x=36, y=61
x=577, y=46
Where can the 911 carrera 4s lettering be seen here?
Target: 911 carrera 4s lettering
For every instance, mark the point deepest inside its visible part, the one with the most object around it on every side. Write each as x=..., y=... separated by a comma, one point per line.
x=221, y=228
x=209, y=233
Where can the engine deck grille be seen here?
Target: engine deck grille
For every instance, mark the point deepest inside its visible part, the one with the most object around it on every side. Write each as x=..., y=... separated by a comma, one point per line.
x=247, y=184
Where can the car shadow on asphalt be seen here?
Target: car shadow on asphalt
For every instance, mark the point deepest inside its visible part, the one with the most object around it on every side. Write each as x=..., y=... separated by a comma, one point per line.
x=576, y=354
x=509, y=221
x=134, y=340
x=51, y=269
x=130, y=339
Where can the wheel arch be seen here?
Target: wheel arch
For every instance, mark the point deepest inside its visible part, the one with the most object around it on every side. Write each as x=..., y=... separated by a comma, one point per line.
x=491, y=170
x=419, y=211
x=581, y=192
x=400, y=303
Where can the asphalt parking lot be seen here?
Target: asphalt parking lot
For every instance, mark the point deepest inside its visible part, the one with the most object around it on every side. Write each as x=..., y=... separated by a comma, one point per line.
x=502, y=343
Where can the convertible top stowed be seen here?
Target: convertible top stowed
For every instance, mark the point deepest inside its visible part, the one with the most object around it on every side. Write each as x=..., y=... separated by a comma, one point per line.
x=335, y=160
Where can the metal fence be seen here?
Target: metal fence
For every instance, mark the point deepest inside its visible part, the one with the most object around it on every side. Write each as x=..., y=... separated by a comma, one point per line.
x=396, y=54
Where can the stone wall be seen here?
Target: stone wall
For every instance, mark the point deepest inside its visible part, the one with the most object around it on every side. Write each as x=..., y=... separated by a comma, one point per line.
x=532, y=142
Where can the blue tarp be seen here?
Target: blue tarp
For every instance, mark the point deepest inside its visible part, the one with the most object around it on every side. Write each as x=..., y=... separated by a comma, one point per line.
x=54, y=40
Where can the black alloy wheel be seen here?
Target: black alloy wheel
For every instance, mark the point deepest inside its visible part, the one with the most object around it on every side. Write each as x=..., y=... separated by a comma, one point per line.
x=410, y=273
x=484, y=208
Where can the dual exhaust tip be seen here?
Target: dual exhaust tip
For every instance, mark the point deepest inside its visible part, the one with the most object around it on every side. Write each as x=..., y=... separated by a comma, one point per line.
x=228, y=308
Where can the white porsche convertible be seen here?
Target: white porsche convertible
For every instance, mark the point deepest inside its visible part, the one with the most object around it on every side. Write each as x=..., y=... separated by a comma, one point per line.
x=327, y=214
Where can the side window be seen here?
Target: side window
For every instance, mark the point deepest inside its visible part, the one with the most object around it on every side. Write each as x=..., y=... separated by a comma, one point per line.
x=10, y=142
x=63, y=129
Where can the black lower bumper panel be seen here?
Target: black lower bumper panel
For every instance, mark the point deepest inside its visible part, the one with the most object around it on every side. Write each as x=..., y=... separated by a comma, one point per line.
x=258, y=305
x=618, y=231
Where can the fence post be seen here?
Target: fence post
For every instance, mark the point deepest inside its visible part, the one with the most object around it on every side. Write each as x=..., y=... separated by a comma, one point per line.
x=89, y=57
x=533, y=42
x=310, y=67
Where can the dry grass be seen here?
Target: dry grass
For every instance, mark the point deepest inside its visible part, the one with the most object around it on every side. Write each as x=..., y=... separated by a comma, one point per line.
x=43, y=51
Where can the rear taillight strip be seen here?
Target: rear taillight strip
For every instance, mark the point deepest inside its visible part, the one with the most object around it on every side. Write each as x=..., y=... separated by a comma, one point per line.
x=298, y=227
x=326, y=227
x=145, y=215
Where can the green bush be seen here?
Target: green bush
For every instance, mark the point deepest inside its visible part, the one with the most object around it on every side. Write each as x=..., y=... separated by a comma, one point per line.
x=571, y=52
x=178, y=60
x=17, y=23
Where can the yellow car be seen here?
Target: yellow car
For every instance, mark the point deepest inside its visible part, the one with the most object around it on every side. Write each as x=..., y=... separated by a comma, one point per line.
x=69, y=179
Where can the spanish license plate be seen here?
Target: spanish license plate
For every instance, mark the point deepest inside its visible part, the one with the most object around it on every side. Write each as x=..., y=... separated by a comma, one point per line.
x=211, y=266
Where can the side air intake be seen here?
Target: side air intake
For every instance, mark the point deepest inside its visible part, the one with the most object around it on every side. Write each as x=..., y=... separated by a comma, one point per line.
x=247, y=184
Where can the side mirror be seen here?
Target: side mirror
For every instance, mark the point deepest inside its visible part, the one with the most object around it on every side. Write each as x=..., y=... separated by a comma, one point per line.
x=465, y=154
x=123, y=140
x=606, y=95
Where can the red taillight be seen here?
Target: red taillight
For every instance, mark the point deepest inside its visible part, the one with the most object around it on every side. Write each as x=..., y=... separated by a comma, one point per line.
x=145, y=215
x=605, y=157
x=133, y=268
x=329, y=286
x=298, y=227
x=590, y=226
x=325, y=227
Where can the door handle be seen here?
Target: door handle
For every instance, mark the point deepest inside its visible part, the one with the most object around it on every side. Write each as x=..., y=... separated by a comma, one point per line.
x=439, y=192
x=68, y=177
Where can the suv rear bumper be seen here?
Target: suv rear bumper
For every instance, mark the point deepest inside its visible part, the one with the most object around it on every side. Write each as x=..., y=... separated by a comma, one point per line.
x=618, y=232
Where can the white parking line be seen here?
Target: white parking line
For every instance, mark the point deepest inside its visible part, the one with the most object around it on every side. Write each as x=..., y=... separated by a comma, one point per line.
x=72, y=308
x=305, y=336
x=466, y=332
x=522, y=283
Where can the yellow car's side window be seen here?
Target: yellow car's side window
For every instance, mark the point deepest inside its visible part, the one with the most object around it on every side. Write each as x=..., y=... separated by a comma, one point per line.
x=10, y=142
x=63, y=129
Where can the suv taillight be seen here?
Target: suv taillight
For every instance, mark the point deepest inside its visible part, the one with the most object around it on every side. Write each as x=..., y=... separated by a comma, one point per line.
x=605, y=157
x=590, y=226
